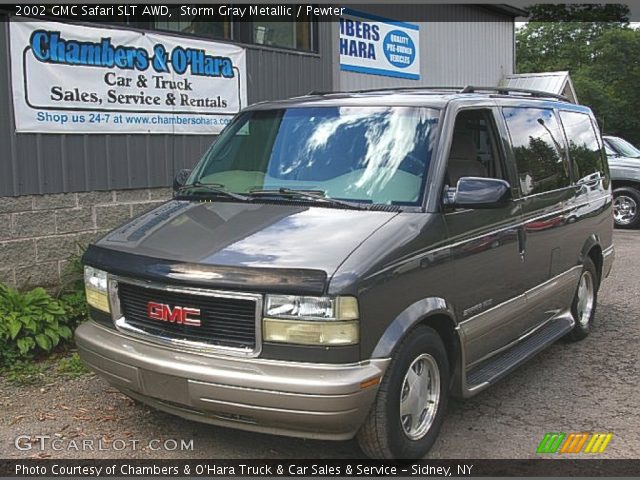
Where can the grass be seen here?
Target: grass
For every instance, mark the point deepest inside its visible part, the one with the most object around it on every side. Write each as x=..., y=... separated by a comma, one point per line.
x=63, y=365
x=25, y=372
x=71, y=366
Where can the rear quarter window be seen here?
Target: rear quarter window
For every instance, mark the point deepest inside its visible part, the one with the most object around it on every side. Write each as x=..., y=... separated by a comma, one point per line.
x=538, y=148
x=585, y=149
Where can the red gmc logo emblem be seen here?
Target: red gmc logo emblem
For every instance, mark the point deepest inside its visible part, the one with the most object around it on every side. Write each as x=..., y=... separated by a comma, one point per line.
x=179, y=315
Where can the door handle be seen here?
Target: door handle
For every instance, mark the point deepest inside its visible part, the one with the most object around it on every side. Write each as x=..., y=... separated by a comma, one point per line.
x=522, y=242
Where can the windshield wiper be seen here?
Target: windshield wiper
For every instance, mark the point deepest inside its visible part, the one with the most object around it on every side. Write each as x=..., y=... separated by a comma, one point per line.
x=316, y=195
x=216, y=188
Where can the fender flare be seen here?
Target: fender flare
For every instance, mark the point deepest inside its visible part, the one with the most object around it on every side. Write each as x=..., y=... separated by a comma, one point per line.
x=592, y=241
x=407, y=319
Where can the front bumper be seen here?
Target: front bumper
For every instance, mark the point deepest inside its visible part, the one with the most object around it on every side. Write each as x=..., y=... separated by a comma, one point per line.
x=287, y=398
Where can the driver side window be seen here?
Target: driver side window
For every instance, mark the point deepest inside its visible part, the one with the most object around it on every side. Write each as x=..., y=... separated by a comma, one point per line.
x=474, y=148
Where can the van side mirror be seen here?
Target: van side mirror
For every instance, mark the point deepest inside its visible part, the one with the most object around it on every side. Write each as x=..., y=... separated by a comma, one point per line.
x=478, y=192
x=181, y=178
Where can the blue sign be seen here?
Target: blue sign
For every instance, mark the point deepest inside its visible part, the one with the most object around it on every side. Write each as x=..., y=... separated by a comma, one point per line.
x=379, y=46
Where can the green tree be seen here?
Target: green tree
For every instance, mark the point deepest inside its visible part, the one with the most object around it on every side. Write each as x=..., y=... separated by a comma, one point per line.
x=609, y=84
x=600, y=51
x=560, y=37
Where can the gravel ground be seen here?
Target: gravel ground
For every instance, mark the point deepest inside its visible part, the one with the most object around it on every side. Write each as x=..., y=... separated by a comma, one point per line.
x=587, y=386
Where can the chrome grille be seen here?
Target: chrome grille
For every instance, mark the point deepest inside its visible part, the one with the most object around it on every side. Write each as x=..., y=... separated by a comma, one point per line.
x=226, y=321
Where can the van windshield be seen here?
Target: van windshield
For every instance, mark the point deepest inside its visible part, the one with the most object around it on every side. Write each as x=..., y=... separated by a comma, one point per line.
x=623, y=147
x=358, y=154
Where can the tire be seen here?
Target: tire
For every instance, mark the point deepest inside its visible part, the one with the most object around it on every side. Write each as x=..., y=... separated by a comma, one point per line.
x=583, y=313
x=626, y=207
x=383, y=435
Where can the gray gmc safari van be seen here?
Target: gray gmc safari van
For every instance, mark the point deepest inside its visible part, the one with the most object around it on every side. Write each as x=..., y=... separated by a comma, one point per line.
x=339, y=264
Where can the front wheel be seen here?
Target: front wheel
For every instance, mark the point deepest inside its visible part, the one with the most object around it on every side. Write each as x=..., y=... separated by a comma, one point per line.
x=626, y=207
x=407, y=414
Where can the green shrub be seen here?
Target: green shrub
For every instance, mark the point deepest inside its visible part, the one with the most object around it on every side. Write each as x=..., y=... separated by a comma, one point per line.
x=75, y=304
x=31, y=322
x=71, y=366
x=71, y=292
x=23, y=372
x=73, y=275
x=65, y=364
x=34, y=323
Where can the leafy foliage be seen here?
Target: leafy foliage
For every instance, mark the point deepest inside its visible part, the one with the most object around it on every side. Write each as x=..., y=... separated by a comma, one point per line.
x=34, y=323
x=31, y=322
x=71, y=291
x=64, y=364
x=24, y=372
x=71, y=366
x=596, y=45
x=609, y=83
x=560, y=37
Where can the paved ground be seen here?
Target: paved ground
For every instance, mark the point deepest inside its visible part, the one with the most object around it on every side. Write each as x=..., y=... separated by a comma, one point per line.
x=588, y=386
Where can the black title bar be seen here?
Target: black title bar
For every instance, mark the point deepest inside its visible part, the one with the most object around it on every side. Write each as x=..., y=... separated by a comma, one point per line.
x=132, y=13
x=318, y=468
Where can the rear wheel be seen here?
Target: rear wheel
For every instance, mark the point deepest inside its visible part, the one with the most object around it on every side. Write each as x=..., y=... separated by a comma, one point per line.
x=407, y=414
x=584, y=302
x=626, y=207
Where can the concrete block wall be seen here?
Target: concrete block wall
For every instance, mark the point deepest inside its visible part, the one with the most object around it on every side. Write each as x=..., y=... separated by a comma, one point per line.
x=40, y=233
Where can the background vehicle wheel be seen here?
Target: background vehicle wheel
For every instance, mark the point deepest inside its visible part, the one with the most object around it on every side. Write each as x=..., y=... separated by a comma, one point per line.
x=584, y=302
x=407, y=414
x=626, y=207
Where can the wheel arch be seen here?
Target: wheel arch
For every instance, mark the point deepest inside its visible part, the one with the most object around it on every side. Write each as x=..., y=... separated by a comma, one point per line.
x=433, y=312
x=622, y=183
x=592, y=249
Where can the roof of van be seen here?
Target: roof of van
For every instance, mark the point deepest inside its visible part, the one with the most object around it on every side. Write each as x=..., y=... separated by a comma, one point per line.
x=426, y=96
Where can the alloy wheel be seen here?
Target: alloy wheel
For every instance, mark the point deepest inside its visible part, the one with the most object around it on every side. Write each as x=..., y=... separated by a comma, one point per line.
x=586, y=297
x=419, y=396
x=625, y=209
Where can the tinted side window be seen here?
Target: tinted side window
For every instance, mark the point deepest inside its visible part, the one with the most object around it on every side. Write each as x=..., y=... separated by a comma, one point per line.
x=584, y=148
x=538, y=146
x=474, y=151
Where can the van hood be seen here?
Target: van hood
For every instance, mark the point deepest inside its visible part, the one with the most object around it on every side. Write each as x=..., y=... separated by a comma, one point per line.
x=210, y=242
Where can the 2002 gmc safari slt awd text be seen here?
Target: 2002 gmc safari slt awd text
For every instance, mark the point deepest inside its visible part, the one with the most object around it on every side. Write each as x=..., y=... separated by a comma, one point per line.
x=338, y=265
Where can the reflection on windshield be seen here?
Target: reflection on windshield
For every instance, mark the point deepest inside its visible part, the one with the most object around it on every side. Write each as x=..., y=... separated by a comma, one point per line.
x=365, y=154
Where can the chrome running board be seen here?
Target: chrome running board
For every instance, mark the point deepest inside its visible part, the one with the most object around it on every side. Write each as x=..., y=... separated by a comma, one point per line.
x=481, y=376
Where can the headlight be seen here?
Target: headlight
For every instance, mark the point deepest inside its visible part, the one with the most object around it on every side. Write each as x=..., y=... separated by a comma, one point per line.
x=95, y=285
x=310, y=333
x=311, y=308
x=311, y=320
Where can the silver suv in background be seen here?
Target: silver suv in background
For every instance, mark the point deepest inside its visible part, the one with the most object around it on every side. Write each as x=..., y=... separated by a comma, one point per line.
x=624, y=163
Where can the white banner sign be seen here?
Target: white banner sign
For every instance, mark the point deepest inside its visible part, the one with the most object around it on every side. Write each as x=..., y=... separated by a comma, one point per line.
x=379, y=46
x=76, y=79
